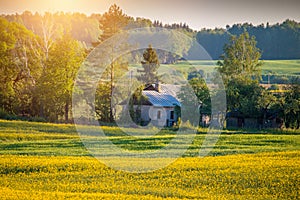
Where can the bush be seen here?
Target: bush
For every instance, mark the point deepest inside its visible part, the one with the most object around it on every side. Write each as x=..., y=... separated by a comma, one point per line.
x=187, y=125
x=274, y=87
x=37, y=119
x=6, y=115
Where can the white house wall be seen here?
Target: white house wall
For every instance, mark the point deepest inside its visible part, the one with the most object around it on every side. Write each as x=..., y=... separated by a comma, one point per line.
x=165, y=115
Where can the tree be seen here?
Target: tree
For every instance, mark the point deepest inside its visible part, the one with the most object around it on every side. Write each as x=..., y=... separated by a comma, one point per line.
x=135, y=102
x=150, y=65
x=265, y=102
x=243, y=97
x=112, y=22
x=195, y=96
x=240, y=59
x=18, y=67
x=103, y=102
x=278, y=41
x=202, y=92
x=240, y=70
x=55, y=87
x=7, y=72
x=288, y=105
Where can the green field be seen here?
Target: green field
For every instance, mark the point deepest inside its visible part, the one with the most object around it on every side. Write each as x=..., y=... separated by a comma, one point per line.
x=49, y=161
x=288, y=67
x=177, y=73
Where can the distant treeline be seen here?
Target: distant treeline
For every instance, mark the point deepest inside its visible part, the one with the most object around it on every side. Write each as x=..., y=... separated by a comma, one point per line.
x=279, y=41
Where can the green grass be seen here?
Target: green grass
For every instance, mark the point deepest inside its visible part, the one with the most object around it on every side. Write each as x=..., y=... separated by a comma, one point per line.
x=288, y=67
x=28, y=138
x=49, y=161
x=177, y=73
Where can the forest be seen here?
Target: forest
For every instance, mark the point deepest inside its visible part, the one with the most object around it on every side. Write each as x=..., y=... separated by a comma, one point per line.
x=279, y=41
x=41, y=54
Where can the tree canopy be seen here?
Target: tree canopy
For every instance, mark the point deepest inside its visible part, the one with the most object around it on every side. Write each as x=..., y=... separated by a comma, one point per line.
x=112, y=22
x=150, y=64
x=240, y=59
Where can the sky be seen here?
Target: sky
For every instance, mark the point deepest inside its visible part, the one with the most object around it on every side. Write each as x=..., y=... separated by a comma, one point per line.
x=197, y=14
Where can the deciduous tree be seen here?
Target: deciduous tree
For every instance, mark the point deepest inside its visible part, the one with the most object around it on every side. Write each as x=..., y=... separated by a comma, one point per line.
x=54, y=88
x=18, y=67
x=240, y=59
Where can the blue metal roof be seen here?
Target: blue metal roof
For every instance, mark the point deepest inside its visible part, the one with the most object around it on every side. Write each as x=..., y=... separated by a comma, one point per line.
x=161, y=99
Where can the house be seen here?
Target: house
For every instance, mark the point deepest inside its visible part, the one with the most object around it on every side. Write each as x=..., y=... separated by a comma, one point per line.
x=161, y=107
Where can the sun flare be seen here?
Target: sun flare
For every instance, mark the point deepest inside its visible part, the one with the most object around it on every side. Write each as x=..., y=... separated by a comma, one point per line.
x=65, y=5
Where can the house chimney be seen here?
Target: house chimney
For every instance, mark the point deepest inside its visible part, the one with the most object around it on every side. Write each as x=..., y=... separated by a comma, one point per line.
x=157, y=86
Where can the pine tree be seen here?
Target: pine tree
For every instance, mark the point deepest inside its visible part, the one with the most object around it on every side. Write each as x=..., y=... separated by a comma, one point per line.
x=150, y=65
x=112, y=23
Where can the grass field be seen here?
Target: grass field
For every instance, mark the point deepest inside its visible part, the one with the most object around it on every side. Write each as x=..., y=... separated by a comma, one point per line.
x=49, y=161
x=288, y=67
x=177, y=73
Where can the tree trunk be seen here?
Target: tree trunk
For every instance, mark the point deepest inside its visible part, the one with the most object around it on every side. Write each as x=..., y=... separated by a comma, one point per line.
x=67, y=112
x=111, y=115
x=265, y=118
x=41, y=114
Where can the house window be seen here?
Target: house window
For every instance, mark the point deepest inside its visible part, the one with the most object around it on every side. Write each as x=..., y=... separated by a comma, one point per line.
x=158, y=114
x=172, y=114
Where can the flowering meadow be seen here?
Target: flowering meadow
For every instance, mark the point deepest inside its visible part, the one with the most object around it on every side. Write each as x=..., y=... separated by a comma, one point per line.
x=48, y=161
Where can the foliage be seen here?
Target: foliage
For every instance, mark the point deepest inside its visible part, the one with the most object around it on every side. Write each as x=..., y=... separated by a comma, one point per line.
x=103, y=102
x=195, y=99
x=81, y=27
x=243, y=97
x=240, y=59
x=135, y=102
x=150, y=65
x=240, y=70
x=202, y=92
x=19, y=67
x=278, y=41
x=54, y=87
x=37, y=76
x=288, y=105
x=113, y=22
